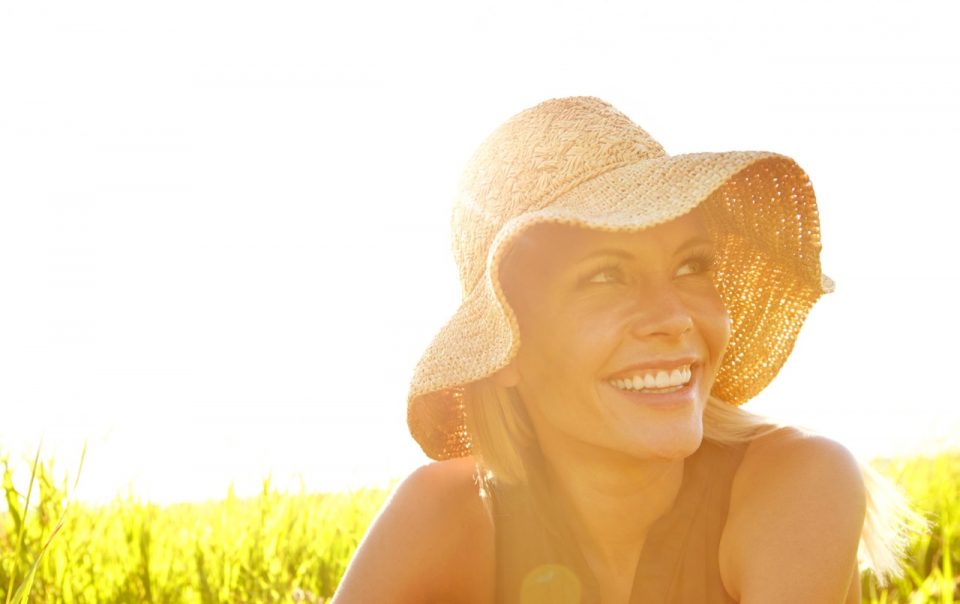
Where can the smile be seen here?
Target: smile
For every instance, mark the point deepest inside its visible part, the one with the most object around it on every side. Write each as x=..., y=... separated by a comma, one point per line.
x=655, y=380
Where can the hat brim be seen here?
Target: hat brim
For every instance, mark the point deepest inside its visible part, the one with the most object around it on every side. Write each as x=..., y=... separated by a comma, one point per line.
x=761, y=211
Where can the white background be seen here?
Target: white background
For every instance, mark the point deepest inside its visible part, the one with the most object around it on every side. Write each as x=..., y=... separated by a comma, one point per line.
x=224, y=225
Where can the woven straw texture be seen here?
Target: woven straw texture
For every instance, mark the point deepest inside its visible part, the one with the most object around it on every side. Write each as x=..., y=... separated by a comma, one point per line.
x=579, y=161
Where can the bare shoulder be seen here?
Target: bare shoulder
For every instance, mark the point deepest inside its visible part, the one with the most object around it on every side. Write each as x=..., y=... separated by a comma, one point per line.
x=791, y=448
x=431, y=541
x=797, y=508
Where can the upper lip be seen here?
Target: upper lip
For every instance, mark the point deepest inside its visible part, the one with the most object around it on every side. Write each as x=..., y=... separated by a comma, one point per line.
x=667, y=364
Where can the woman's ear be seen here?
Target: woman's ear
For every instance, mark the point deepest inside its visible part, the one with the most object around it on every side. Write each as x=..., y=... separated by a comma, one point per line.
x=508, y=377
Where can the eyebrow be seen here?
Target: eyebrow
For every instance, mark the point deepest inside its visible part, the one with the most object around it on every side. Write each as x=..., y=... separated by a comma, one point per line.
x=621, y=253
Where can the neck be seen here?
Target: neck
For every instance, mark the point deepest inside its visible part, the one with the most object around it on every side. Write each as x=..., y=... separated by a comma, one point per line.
x=611, y=499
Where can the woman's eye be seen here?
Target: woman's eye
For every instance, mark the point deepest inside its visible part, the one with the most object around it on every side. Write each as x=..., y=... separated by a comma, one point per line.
x=689, y=268
x=607, y=275
x=695, y=266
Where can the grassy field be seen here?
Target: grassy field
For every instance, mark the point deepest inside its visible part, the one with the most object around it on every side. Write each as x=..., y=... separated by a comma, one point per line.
x=295, y=547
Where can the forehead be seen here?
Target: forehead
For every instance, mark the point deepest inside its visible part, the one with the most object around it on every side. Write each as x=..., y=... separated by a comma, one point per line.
x=558, y=242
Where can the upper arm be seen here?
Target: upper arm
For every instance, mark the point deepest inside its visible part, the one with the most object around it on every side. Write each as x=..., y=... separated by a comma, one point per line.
x=796, y=513
x=409, y=552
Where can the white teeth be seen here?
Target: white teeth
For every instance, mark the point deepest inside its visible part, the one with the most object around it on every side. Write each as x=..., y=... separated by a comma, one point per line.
x=663, y=379
x=659, y=379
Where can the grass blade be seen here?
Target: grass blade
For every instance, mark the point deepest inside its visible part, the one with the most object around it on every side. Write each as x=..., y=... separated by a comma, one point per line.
x=23, y=524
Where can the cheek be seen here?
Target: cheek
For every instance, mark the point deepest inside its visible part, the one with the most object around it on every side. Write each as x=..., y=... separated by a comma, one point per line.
x=715, y=325
x=565, y=344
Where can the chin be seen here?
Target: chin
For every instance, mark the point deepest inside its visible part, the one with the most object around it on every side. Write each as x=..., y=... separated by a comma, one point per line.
x=677, y=445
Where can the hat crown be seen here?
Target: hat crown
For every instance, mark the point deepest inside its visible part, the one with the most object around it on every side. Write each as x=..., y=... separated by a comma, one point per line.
x=529, y=161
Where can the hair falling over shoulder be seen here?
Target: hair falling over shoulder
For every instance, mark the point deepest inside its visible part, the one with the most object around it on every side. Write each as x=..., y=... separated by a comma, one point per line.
x=503, y=443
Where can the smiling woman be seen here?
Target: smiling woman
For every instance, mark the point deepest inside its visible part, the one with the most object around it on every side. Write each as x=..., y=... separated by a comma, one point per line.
x=627, y=327
x=582, y=404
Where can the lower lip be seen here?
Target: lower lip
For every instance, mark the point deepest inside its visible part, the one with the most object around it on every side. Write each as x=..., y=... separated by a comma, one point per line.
x=661, y=400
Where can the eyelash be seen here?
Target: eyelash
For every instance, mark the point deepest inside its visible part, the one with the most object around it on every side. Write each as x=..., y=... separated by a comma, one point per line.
x=705, y=264
x=704, y=260
x=610, y=268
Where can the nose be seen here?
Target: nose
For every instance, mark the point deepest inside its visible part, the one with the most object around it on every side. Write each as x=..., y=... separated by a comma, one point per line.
x=661, y=314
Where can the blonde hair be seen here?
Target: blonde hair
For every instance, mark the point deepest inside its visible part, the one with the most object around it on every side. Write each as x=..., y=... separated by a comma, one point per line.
x=502, y=441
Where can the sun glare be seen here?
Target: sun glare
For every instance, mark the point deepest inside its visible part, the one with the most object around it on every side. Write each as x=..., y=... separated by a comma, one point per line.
x=225, y=243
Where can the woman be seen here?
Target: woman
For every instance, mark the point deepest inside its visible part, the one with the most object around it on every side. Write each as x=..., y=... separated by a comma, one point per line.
x=618, y=304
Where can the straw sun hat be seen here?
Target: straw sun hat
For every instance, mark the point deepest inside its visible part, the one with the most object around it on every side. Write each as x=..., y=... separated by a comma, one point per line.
x=581, y=162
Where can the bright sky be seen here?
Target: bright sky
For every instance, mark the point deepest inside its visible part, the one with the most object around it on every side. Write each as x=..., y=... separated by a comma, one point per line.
x=224, y=225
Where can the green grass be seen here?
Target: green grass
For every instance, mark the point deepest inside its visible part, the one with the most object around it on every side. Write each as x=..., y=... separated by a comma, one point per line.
x=294, y=547
x=262, y=549
x=933, y=557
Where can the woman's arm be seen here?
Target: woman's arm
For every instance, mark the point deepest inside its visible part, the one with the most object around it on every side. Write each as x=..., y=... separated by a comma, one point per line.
x=796, y=514
x=414, y=551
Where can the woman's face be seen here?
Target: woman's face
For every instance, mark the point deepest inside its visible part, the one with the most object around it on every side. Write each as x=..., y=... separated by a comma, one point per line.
x=621, y=335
